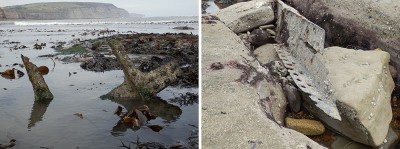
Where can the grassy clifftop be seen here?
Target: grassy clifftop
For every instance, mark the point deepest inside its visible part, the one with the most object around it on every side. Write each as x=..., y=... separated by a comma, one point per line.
x=56, y=6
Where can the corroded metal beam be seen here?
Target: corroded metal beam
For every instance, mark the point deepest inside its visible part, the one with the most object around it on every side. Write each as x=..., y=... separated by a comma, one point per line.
x=302, y=39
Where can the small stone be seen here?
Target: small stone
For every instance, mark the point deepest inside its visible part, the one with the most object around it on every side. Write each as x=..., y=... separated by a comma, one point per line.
x=260, y=37
x=305, y=126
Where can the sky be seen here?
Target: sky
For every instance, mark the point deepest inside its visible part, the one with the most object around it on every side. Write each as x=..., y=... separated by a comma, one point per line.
x=150, y=8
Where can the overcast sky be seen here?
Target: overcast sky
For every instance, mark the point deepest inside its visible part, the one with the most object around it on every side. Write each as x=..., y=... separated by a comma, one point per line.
x=149, y=8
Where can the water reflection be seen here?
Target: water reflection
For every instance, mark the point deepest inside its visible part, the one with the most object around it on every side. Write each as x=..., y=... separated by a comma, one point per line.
x=159, y=107
x=38, y=110
x=185, y=99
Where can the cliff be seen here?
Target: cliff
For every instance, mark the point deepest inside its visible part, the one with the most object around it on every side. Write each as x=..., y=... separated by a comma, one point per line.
x=62, y=10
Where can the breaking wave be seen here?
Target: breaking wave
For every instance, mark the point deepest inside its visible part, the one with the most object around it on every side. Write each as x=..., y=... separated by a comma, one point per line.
x=34, y=23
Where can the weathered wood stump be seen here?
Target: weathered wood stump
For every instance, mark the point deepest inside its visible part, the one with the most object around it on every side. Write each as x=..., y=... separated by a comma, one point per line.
x=40, y=88
x=139, y=84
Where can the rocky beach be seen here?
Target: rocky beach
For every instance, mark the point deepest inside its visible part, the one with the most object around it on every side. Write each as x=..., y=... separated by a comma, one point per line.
x=81, y=70
x=300, y=74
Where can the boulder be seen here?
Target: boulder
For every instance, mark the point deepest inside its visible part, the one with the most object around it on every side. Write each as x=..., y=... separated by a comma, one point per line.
x=243, y=121
x=357, y=24
x=362, y=85
x=343, y=142
x=245, y=16
x=348, y=90
x=259, y=37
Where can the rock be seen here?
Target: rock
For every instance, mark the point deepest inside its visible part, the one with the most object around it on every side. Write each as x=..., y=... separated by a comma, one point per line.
x=100, y=64
x=293, y=96
x=266, y=54
x=246, y=15
x=349, y=90
x=343, y=142
x=183, y=28
x=241, y=101
x=277, y=69
x=356, y=24
x=272, y=100
x=362, y=85
x=259, y=37
x=393, y=71
x=245, y=40
x=305, y=126
x=37, y=46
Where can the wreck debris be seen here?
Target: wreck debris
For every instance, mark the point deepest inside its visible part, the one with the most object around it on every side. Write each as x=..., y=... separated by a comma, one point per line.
x=307, y=71
x=138, y=117
x=44, y=70
x=40, y=88
x=80, y=115
x=139, y=84
x=9, y=74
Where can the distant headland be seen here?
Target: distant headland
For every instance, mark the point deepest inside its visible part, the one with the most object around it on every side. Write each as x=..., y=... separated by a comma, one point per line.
x=63, y=10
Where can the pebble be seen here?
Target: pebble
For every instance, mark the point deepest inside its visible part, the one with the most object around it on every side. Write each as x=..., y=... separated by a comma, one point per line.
x=305, y=126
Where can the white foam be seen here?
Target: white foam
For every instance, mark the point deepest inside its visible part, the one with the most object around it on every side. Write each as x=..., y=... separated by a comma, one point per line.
x=40, y=23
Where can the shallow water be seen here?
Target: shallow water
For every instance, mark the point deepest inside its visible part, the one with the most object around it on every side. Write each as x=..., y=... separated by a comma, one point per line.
x=212, y=7
x=55, y=125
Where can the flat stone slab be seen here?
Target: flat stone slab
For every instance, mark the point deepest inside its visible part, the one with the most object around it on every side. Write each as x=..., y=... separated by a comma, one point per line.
x=245, y=16
x=231, y=115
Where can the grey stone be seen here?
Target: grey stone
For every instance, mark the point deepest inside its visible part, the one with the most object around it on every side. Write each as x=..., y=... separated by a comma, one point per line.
x=244, y=121
x=293, y=95
x=277, y=69
x=266, y=53
x=349, y=90
x=357, y=24
x=245, y=16
x=345, y=143
x=259, y=37
x=362, y=85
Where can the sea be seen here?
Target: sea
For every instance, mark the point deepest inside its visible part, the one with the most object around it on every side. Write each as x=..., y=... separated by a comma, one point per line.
x=77, y=117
